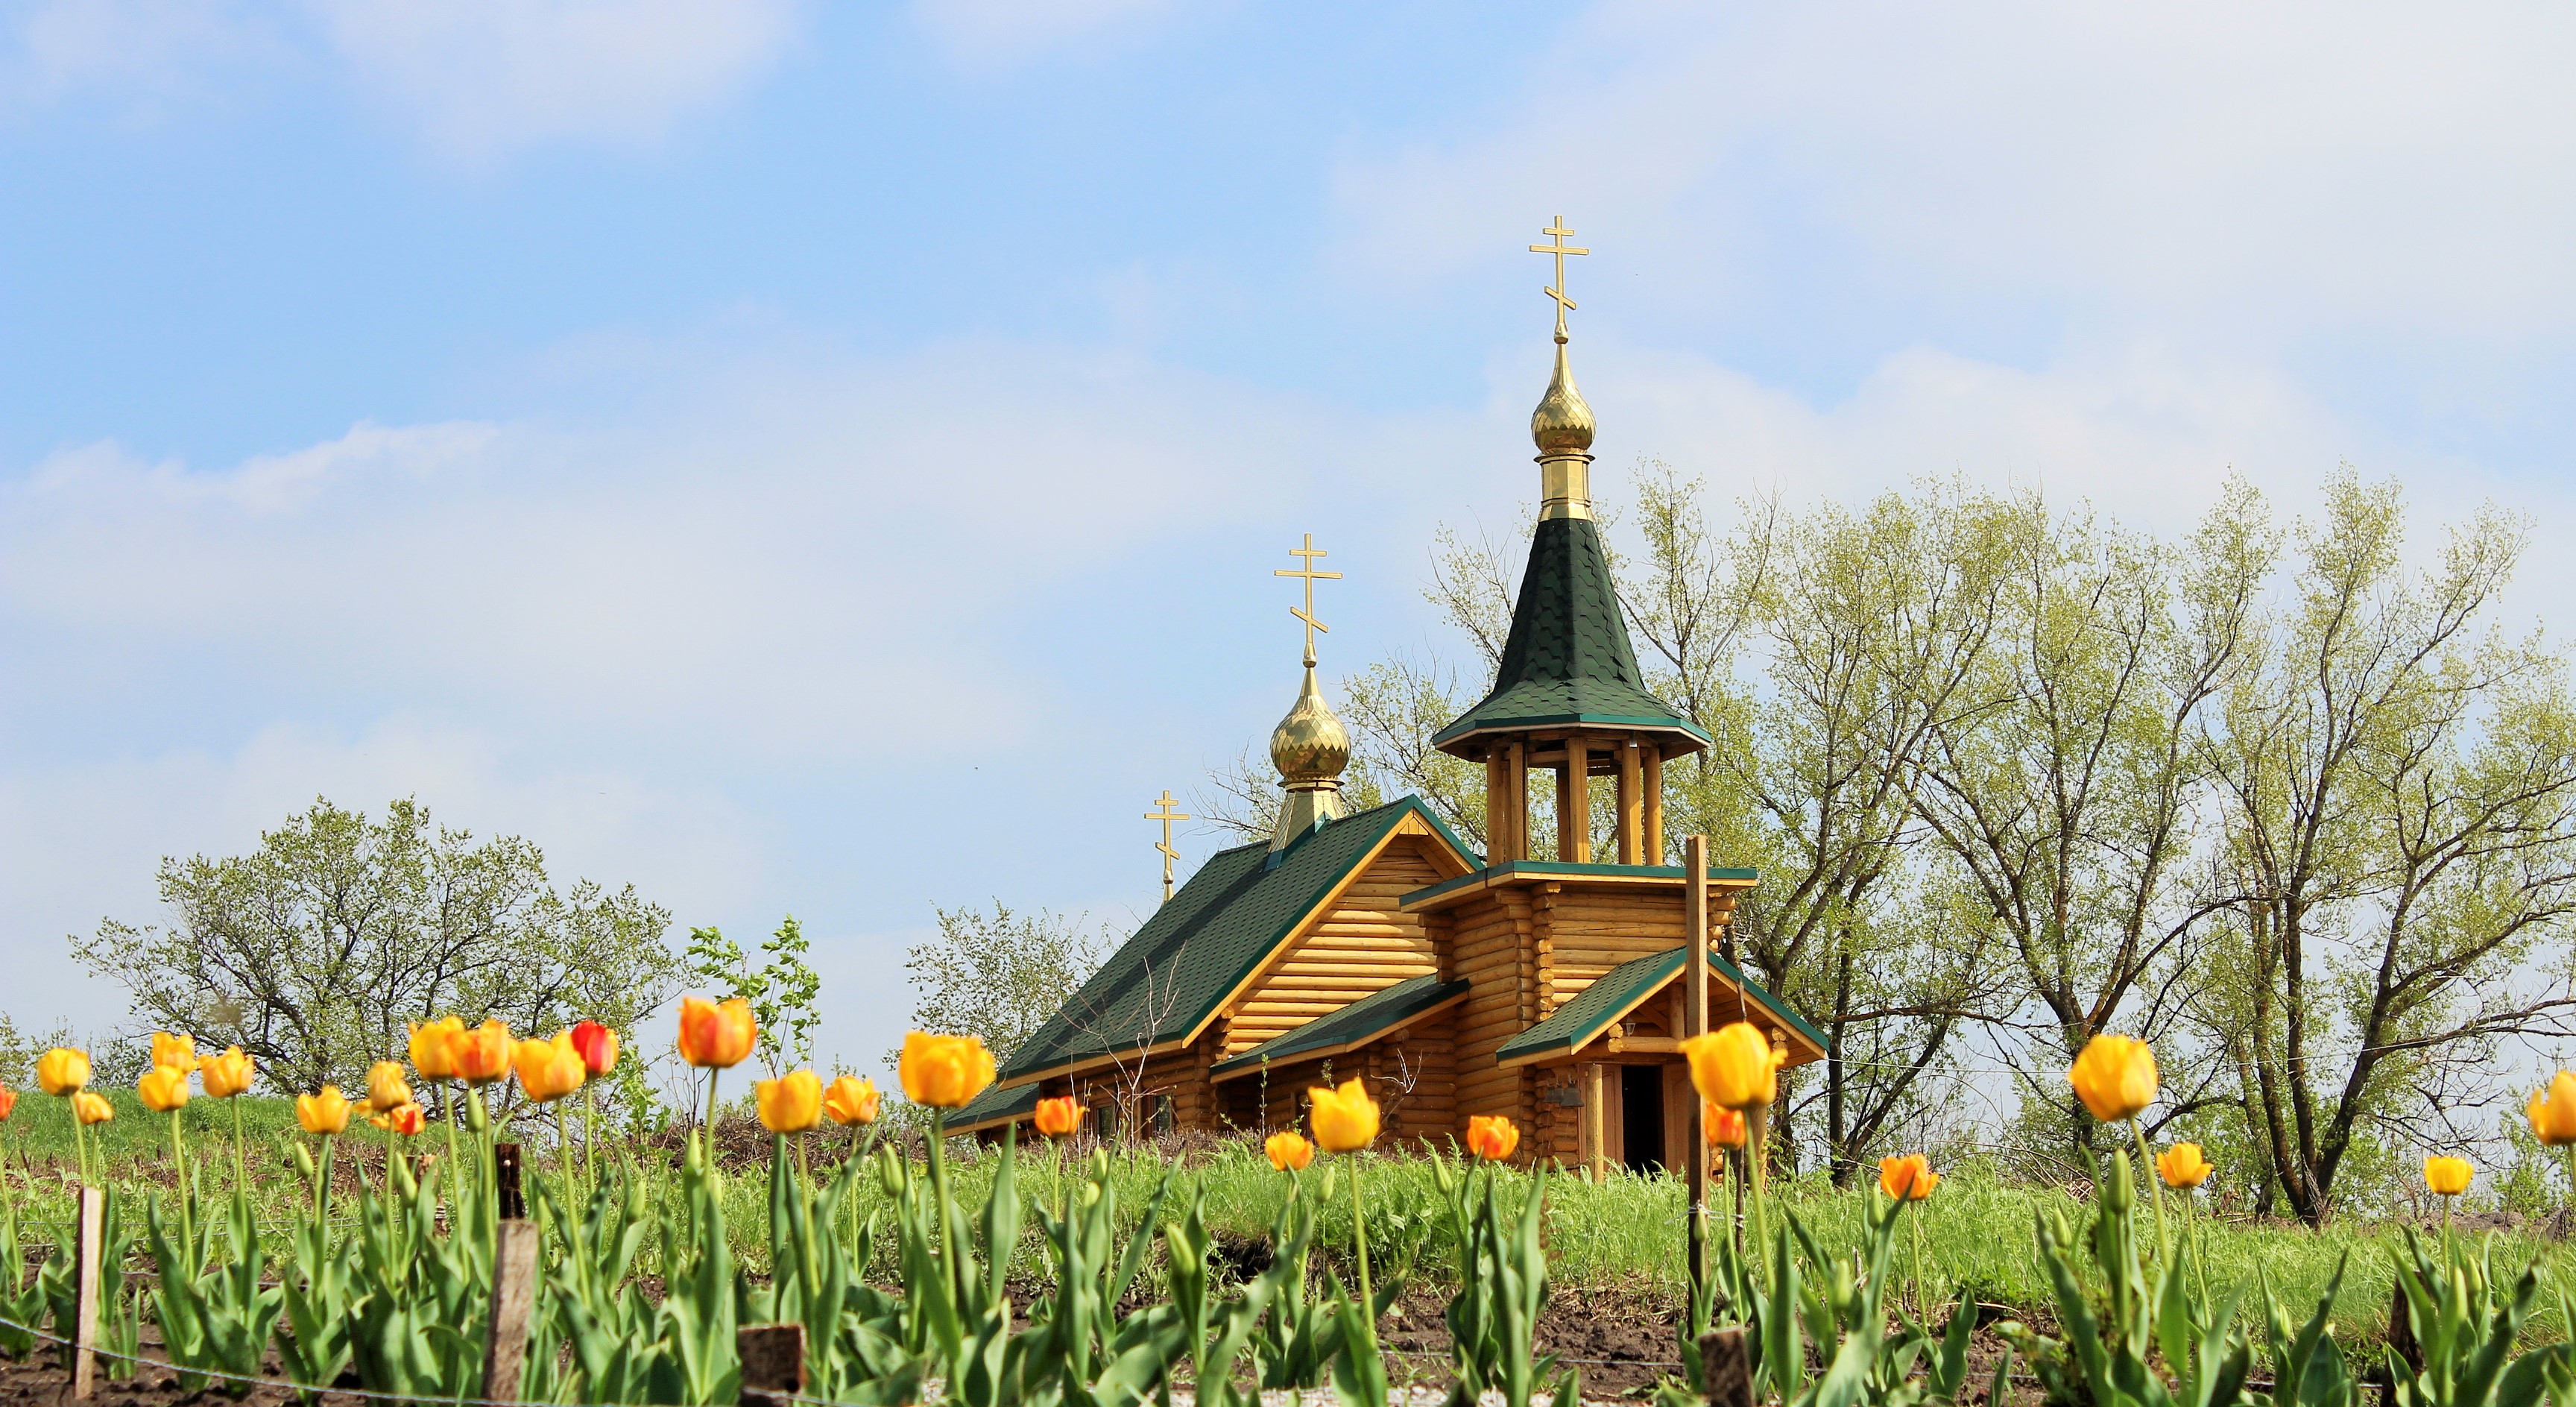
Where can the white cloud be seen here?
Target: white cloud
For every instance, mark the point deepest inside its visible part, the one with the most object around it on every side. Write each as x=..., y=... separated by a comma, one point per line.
x=145, y=51
x=999, y=33
x=483, y=78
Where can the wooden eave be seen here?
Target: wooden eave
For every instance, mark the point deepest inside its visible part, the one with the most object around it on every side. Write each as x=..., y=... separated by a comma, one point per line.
x=1515, y=873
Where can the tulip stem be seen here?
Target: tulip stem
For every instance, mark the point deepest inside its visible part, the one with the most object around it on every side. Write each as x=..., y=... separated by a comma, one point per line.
x=2156, y=1190
x=1359, y=1238
x=80, y=1141
x=939, y=1196
x=241, y=1160
x=1922, y=1307
x=322, y=1183
x=187, y=1217
x=590, y=1131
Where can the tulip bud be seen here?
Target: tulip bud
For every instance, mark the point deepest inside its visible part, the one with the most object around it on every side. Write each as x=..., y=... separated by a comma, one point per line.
x=303, y=1161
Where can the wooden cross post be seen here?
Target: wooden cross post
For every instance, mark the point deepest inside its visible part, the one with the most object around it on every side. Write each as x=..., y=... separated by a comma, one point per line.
x=514, y=1281
x=1695, y=1023
x=773, y=1363
x=1164, y=813
x=89, y=1281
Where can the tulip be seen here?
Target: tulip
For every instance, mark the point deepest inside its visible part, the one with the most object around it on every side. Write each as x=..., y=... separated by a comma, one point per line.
x=2183, y=1167
x=716, y=1035
x=8, y=1103
x=1907, y=1179
x=598, y=1047
x=1289, y=1151
x=61, y=1072
x=429, y=1047
x=2447, y=1177
x=177, y=1051
x=385, y=1088
x=943, y=1072
x=792, y=1103
x=481, y=1055
x=407, y=1120
x=90, y=1108
x=2552, y=1111
x=1345, y=1119
x=2115, y=1077
x=226, y=1075
x=1734, y=1067
x=325, y=1113
x=548, y=1070
x=1492, y=1137
x=164, y=1088
x=1060, y=1116
x=852, y=1102
x=1724, y=1127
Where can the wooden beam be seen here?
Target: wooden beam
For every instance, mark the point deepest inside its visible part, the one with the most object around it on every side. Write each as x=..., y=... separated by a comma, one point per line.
x=87, y=1287
x=1516, y=786
x=1574, y=805
x=1653, y=769
x=1594, y=1155
x=1632, y=787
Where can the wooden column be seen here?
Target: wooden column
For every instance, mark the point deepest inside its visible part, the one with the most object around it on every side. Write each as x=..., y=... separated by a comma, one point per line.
x=1516, y=766
x=1574, y=805
x=1653, y=772
x=90, y=1281
x=1632, y=787
x=1594, y=1155
x=1498, y=807
x=1694, y=1023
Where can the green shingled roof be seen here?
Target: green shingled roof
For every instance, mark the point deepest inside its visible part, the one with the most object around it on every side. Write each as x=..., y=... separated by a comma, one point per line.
x=1201, y=944
x=994, y=1106
x=1363, y=1020
x=1576, y=1023
x=1567, y=659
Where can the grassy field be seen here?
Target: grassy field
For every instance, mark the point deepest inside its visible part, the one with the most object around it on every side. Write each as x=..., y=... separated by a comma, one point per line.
x=1625, y=1234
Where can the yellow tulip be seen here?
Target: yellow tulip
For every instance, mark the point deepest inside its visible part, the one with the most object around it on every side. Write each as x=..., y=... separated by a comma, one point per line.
x=164, y=1088
x=325, y=1113
x=716, y=1035
x=1345, y=1119
x=1492, y=1137
x=852, y=1101
x=176, y=1051
x=1734, y=1067
x=2183, y=1166
x=90, y=1108
x=481, y=1055
x=548, y=1070
x=1907, y=1179
x=1289, y=1151
x=227, y=1074
x=792, y=1103
x=385, y=1088
x=943, y=1071
x=429, y=1047
x=2447, y=1177
x=61, y=1072
x=2115, y=1077
x=2552, y=1111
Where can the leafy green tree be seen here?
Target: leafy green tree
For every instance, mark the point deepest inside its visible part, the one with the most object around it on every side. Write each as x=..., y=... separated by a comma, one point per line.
x=1000, y=975
x=784, y=993
x=315, y=950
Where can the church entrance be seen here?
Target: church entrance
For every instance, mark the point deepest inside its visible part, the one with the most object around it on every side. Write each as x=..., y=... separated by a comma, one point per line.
x=1641, y=1117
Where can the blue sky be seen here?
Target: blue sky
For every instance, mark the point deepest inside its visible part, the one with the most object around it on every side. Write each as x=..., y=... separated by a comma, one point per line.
x=831, y=458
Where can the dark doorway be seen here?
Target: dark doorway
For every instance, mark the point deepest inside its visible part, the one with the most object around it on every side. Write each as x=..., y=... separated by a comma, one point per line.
x=1641, y=1115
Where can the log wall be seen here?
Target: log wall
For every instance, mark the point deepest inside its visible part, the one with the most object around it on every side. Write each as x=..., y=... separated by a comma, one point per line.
x=1364, y=944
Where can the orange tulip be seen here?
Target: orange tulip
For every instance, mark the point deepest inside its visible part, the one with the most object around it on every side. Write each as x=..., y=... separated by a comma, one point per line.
x=227, y=1074
x=2183, y=1166
x=481, y=1055
x=430, y=1049
x=1289, y=1151
x=548, y=1070
x=2115, y=1076
x=178, y=1052
x=1492, y=1137
x=943, y=1071
x=716, y=1035
x=1060, y=1116
x=2552, y=1111
x=852, y=1101
x=164, y=1088
x=598, y=1047
x=62, y=1072
x=385, y=1087
x=2447, y=1177
x=1735, y=1066
x=792, y=1103
x=8, y=1103
x=90, y=1108
x=1725, y=1128
x=1907, y=1179
x=1345, y=1119
x=325, y=1113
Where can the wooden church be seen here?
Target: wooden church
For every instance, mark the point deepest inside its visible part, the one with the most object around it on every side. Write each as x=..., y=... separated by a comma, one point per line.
x=1377, y=944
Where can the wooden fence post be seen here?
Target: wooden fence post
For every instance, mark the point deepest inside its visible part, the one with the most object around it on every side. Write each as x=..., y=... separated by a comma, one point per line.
x=514, y=1281
x=1725, y=1369
x=88, y=1279
x=773, y=1363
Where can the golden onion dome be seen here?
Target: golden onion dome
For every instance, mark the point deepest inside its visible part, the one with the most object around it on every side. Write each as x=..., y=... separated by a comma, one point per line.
x=1310, y=744
x=1562, y=424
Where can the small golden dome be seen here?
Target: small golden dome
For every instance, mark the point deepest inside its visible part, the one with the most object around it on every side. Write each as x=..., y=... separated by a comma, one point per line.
x=1310, y=744
x=1562, y=424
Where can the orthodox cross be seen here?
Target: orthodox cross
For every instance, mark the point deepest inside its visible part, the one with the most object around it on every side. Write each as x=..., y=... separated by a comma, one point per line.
x=1310, y=552
x=1164, y=813
x=1557, y=246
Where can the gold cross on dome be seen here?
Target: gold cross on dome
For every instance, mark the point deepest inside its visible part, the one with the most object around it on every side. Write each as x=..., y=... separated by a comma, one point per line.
x=1556, y=233
x=1164, y=813
x=1310, y=552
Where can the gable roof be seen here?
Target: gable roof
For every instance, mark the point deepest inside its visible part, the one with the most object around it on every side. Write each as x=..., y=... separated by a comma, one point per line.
x=1353, y=1026
x=994, y=1107
x=1165, y=984
x=1568, y=659
x=1619, y=991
